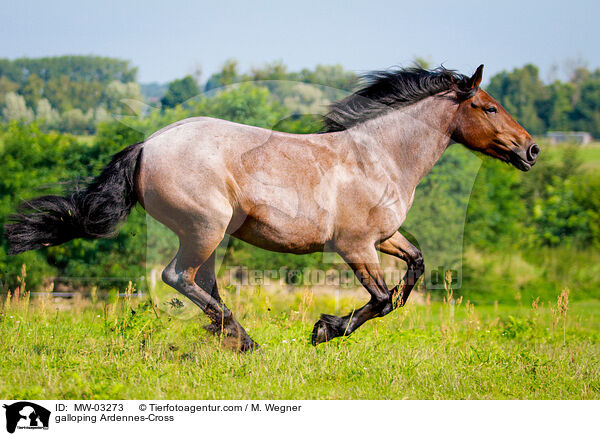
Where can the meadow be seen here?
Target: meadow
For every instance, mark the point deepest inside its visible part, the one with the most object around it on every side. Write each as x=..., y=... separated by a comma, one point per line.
x=589, y=153
x=155, y=347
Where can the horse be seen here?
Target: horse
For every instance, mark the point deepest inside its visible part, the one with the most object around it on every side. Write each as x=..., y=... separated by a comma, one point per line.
x=345, y=189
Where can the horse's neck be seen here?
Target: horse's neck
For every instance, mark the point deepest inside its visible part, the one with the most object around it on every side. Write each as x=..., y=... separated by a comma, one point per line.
x=410, y=140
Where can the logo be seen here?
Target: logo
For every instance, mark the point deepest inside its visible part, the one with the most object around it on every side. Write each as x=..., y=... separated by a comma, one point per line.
x=26, y=415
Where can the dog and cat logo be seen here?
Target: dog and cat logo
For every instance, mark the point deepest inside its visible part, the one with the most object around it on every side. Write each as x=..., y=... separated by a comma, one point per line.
x=26, y=415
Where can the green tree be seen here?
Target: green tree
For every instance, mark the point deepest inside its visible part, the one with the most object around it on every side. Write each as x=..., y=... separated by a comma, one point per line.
x=244, y=103
x=6, y=86
x=46, y=115
x=77, y=122
x=76, y=68
x=560, y=106
x=333, y=76
x=522, y=93
x=123, y=98
x=586, y=112
x=179, y=91
x=496, y=210
x=33, y=90
x=270, y=71
x=15, y=108
x=70, y=83
x=30, y=159
x=228, y=75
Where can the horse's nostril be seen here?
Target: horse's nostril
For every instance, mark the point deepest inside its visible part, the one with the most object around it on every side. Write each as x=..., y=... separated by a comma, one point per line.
x=533, y=152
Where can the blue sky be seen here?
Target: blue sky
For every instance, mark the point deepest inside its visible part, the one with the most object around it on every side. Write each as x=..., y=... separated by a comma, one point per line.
x=169, y=39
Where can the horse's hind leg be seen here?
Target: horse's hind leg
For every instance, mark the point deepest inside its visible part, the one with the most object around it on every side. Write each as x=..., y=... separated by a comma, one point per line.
x=195, y=257
x=206, y=278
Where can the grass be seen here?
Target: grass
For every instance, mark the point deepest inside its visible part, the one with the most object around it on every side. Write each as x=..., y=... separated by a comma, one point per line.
x=86, y=139
x=521, y=276
x=589, y=153
x=128, y=348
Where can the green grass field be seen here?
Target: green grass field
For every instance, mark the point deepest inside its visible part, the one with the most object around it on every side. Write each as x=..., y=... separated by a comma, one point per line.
x=132, y=349
x=589, y=153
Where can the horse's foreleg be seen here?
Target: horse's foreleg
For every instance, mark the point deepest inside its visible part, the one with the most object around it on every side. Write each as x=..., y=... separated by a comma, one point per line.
x=193, y=275
x=367, y=269
x=399, y=247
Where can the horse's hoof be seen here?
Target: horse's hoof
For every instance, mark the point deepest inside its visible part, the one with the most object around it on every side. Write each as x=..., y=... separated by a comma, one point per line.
x=319, y=333
x=243, y=344
x=248, y=346
x=326, y=328
x=233, y=337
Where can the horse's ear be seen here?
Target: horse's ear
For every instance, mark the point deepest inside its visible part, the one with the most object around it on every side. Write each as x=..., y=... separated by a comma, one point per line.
x=475, y=80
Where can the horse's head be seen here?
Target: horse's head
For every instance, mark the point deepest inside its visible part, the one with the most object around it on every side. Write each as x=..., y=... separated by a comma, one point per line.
x=482, y=124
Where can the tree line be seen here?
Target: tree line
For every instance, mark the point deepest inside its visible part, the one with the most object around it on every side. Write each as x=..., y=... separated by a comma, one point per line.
x=539, y=107
x=66, y=93
x=76, y=93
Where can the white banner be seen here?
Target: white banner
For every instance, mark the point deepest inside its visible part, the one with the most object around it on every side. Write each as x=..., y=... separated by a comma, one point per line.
x=299, y=417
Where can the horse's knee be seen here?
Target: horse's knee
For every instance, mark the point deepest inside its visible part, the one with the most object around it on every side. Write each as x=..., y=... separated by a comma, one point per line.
x=419, y=264
x=416, y=266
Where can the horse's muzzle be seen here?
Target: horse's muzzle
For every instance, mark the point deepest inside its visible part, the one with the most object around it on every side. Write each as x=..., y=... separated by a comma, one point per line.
x=525, y=160
x=532, y=153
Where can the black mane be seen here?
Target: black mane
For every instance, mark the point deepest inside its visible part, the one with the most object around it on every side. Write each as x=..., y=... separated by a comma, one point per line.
x=385, y=90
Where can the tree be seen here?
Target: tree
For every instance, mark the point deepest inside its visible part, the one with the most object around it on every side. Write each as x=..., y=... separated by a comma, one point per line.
x=333, y=76
x=101, y=115
x=15, y=108
x=560, y=106
x=305, y=98
x=521, y=92
x=68, y=83
x=244, y=103
x=76, y=68
x=586, y=112
x=33, y=90
x=271, y=71
x=123, y=98
x=77, y=122
x=45, y=114
x=6, y=86
x=228, y=75
x=179, y=91
x=38, y=163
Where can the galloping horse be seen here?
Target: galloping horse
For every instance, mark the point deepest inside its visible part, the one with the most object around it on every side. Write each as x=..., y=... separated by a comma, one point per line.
x=346, y=189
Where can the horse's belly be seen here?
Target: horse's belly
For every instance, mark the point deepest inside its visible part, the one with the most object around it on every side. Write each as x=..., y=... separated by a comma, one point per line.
x=272, y=229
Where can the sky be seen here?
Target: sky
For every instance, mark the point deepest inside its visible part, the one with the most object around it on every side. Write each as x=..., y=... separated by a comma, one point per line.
x=169, y=39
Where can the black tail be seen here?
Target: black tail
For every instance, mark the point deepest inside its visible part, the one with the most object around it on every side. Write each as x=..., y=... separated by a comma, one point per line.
x=91, y=213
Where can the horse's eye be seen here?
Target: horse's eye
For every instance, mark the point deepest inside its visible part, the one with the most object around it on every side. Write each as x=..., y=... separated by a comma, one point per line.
x=491, y=110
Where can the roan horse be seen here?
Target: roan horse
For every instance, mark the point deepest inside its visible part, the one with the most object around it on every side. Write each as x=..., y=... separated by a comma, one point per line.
x=347, y=189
